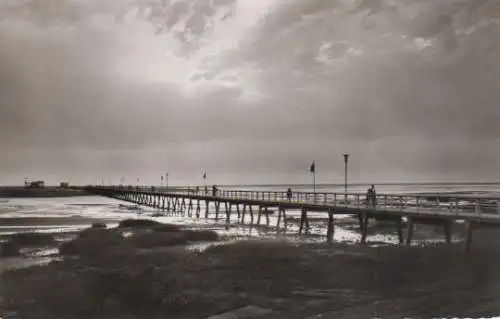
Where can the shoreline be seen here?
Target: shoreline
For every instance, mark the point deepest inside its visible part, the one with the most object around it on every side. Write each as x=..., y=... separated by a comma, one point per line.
x=23, y=192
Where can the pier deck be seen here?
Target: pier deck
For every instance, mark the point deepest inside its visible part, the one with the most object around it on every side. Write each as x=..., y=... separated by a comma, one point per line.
x=439, y=209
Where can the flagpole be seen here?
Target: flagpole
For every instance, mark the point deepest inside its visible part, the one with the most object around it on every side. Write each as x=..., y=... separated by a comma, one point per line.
x=314, y=185
x=312, y=169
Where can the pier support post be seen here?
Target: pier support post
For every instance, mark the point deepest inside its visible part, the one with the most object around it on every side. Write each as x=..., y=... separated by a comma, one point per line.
x=259, y=215
x=190, y=208
x=163, y=202
x=447, y=231
x=217, y=205
x=468, y=236
x=330, y=229
x=251, y=214
x=174, y=205
x=364, y=230
x=198, y=209
x=285, y=222
x=360, y=219
x=228, y=214
x=409, y=230
x=280, y=212
x=207, y=206
x=243, y=213
x=238, y=210
x=303, y=220
x=399, y=226
x=183, y=207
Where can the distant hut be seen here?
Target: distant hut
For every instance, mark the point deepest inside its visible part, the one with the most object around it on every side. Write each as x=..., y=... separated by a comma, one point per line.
x=64, y=185
x=37, y=184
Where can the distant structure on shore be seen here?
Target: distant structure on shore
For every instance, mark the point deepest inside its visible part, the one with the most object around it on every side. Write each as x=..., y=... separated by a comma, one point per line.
x=64, y=185
x=34, y=184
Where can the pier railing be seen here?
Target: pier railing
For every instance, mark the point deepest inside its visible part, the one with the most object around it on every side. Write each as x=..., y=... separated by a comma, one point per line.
x=436, y=202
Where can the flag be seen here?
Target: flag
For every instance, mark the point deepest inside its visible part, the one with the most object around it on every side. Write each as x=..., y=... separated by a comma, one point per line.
x=312, y=169
x=205, y=175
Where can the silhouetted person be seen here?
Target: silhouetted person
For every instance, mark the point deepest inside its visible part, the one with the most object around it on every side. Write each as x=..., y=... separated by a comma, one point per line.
x=197, y=189
x=374, y=196
x=214, y=190
x=289, y=194
x=371, y=197
x=206, y=190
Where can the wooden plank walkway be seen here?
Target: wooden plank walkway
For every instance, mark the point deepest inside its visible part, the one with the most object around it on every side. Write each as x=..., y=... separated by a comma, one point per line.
x=439, y=209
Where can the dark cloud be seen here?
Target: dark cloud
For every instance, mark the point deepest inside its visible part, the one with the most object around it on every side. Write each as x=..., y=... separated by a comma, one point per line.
x=99, y=88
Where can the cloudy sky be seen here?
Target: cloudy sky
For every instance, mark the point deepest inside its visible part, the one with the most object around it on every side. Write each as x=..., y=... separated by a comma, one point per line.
x=249, y=90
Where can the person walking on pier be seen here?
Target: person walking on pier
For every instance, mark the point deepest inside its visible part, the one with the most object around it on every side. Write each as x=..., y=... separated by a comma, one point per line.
x=371, y=197
x=214, y=190
x=374, y=196
x=289, y=194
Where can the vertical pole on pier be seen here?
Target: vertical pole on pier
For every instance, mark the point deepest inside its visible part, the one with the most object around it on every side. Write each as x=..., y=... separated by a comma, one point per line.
x=330, y=229
x=409, y=230
x=346, y=159
x=312, y=169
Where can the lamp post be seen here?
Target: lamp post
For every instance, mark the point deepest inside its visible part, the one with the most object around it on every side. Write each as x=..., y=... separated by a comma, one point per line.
x=346, y=159
x=166, y=180
x=312, y=169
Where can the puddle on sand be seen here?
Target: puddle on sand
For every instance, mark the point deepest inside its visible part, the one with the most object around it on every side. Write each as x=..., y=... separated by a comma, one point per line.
x=24, y=262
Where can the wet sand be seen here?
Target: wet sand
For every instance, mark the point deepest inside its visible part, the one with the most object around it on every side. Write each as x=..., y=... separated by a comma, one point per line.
x=298, y=281
x=465, y=288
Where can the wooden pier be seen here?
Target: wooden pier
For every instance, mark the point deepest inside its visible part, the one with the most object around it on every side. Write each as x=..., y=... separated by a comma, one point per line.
x=436, y=209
